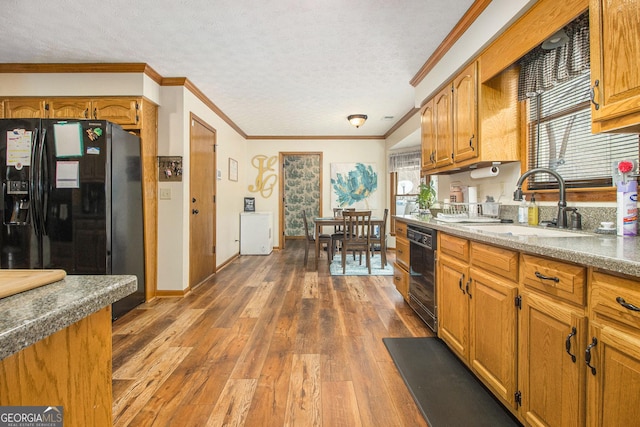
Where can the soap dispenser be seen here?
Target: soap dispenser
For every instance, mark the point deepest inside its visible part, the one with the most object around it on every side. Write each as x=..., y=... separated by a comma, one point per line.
x=523, y=211
x=533, y=211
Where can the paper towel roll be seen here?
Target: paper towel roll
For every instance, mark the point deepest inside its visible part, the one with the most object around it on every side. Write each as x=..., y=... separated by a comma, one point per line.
x=473, y=201
x=485, y=172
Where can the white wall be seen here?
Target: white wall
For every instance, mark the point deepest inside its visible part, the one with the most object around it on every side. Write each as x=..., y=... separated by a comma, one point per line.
x=74, y=84
x=177, y=104
x=334, y=151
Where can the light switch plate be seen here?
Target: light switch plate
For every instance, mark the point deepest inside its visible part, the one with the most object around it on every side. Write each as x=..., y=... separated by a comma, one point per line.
x=165, y=194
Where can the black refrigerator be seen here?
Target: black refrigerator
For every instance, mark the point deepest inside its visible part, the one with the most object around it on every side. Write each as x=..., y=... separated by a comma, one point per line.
x=72, y=199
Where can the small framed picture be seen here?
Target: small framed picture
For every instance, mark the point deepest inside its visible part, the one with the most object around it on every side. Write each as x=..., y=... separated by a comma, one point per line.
x=233, y=169
x=249, y=204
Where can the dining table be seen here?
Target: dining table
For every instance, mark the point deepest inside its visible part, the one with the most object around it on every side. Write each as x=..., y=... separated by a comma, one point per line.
x=334, y=221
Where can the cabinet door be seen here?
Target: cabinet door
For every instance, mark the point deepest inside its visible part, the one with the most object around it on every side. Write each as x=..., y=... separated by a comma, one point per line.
x=615, y=58
x=428, y=128
x=124, y=112
x=453, y=305
x=401, y=281
x=614, y=389
x=26, y=108
x=70, y=108
x=444, y=127
x=493, y=320
x=552, y=384
x=465, y=115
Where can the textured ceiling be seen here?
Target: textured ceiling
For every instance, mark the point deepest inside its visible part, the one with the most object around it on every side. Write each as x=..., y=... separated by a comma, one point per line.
x=274, y=67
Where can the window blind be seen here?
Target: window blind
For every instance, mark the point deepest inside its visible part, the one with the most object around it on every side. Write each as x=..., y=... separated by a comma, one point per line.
x=560, y=138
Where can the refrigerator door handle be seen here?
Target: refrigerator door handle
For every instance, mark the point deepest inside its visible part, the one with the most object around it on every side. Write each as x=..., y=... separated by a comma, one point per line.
x=33, y=190
x=43, y=184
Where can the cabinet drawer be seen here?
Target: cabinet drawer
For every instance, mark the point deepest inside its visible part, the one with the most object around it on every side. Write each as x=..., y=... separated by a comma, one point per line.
x=615, y=299
x=496, y=260
x=402, y=252
x=559, y=279
x=454, y=246
x=401, y=229
x=401, y=280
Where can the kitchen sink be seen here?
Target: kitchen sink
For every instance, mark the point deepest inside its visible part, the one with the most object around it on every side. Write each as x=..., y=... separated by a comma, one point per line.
x=522, y=230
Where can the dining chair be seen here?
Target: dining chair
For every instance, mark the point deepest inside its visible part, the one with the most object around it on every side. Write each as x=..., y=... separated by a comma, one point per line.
x=357, y=226
x=338, y=232
x=310, y=240
x=377, y=237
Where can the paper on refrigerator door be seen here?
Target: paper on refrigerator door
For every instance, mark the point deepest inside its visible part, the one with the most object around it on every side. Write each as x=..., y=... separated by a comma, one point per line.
x=68, y=139
x=19, y=148
x=67, y=174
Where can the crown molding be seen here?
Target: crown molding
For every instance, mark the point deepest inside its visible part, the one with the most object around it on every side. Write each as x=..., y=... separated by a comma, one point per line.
x=463, y=25
x=135, y=67
x=316, y=137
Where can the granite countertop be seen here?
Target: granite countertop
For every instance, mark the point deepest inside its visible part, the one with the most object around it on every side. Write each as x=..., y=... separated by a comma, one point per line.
x=608, y=252
x=30, y=316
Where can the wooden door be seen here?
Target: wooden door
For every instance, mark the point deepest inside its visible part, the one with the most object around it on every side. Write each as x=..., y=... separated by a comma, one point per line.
x=552, y=384
x=202, y=233
x=493, y=320
x=453, y=305
x=465, y=115
x=444, y=127
x=428, y=128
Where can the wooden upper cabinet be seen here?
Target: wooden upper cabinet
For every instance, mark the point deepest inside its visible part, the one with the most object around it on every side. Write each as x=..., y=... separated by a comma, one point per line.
x=465, y=114
x=70, y=108
x=25, y=108
x=443, y=115
x=127, y=112
x=428, y=128
x=123, y=111
x=615, y=60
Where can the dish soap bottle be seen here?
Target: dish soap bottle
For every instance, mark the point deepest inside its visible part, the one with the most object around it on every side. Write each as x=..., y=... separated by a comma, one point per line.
x=533, y=211
x=523, y=211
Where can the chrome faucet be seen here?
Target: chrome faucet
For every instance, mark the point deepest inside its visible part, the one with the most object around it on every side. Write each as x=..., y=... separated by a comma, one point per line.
x=562, y=202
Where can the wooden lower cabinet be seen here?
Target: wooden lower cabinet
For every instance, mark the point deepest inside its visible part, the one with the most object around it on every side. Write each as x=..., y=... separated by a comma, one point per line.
x=401, y=281
x=613, y=386
x=453, y=305
x=493, y=331
x=401, y=267
x=552, y=382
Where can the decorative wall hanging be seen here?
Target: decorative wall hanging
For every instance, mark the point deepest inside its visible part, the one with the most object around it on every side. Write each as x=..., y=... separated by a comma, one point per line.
x=266, y=176
x=233, y=169
x=354, y=185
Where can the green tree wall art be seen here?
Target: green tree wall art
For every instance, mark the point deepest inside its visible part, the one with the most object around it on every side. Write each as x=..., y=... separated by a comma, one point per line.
x=354, y=185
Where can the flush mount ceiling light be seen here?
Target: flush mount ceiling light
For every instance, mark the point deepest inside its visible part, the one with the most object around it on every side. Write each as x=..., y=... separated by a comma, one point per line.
x=558, y=39
x=357, y=119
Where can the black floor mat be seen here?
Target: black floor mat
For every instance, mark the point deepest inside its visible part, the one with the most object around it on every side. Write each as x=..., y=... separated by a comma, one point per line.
x=445, y=391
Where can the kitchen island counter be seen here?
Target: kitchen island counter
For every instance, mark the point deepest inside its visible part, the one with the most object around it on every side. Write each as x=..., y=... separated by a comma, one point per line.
x=30, y=316
x=56, y=348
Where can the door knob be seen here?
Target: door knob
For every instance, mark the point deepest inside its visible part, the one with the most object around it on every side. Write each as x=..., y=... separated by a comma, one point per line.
x=193, y=200
x=195, y=211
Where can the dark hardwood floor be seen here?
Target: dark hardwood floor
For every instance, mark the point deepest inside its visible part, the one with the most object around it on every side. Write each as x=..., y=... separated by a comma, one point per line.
x=266, y=342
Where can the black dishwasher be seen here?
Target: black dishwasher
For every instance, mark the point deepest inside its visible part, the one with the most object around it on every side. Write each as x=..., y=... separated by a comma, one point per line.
x=422, y=282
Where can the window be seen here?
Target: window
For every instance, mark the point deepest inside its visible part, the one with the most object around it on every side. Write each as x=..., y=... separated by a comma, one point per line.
x=407, y=165
x=554, y=78
x=560, y=138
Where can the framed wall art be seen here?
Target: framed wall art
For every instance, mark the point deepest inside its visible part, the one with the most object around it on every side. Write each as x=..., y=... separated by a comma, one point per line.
x=233, y=169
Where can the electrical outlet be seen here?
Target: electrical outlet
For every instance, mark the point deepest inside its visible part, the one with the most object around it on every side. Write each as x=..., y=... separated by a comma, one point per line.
x=165, y=194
